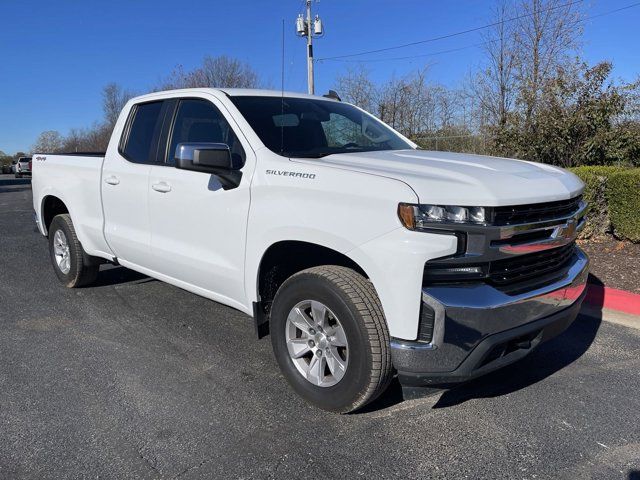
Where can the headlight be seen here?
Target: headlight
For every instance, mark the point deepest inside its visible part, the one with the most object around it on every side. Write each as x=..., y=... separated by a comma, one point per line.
x=423, y=216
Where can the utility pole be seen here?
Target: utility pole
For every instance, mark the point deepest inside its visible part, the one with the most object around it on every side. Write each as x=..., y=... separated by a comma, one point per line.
x=305, y=29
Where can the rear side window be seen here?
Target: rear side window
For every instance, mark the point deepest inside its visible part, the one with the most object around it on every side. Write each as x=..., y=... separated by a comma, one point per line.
x=200, y=121
x=143, y=134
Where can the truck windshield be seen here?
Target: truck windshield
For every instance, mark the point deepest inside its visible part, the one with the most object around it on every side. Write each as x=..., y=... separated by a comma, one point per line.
x=314, y=128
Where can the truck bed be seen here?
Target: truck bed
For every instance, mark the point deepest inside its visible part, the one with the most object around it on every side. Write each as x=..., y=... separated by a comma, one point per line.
x=75, y=179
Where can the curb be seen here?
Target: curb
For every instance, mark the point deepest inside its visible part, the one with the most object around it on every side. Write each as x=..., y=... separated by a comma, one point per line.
x=611, y=316
x=612, y=305
x=599, y=296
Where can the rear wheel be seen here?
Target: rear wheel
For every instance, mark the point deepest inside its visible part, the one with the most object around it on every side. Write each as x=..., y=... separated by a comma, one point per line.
x=330, y=338
x=72, y=265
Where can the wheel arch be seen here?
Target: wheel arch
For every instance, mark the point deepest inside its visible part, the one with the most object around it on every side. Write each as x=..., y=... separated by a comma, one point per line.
x=51, y=205
x=283, y=259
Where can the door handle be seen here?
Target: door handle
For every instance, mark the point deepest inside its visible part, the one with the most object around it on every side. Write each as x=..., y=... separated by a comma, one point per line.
x=112, y=180
x=161, y=187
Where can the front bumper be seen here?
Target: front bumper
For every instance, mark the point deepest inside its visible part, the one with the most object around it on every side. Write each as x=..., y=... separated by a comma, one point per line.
x=479, y=328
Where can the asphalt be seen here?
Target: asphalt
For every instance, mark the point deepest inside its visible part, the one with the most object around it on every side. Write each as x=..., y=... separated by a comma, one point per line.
x=134, y=378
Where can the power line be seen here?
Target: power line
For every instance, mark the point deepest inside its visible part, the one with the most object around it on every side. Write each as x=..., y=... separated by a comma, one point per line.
x=449, y=35
x=475, y=45
x=409, y=57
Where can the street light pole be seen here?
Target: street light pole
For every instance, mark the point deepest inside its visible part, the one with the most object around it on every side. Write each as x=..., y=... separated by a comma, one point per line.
x=306, y=27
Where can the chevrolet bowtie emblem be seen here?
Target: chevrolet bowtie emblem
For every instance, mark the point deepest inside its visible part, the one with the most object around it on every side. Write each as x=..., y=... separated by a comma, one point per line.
x=566, y=231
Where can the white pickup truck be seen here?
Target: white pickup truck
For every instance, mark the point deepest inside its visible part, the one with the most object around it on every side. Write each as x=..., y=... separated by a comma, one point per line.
x=363, y=256
x=23, y=167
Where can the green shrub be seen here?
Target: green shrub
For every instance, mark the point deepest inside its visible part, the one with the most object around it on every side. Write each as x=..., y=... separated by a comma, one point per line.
x=623, y=197
x=596, y=179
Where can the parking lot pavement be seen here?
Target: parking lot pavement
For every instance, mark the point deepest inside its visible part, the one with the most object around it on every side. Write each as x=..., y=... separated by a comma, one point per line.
x=136, y=378
x=10, y=179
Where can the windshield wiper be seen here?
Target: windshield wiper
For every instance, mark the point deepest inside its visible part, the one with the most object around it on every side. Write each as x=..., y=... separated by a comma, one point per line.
x=310, y=155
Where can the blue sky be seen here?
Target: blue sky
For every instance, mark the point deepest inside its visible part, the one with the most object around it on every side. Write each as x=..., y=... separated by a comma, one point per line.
x=56, y=55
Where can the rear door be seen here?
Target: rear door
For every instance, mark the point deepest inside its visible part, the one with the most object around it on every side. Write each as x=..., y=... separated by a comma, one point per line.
x=125, y=179
x=198, y=229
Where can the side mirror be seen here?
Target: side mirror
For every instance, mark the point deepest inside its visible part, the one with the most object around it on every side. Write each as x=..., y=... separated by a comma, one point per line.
x=203, y=157
x=212, y=158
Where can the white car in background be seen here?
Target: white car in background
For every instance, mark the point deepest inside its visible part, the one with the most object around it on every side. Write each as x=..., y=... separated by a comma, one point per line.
x=23, y=167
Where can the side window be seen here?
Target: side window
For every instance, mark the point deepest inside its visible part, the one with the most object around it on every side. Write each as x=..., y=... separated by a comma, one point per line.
x=143, y=133
x=200, y=121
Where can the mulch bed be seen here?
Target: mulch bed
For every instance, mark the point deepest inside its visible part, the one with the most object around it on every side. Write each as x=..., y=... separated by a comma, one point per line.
x=616, y=264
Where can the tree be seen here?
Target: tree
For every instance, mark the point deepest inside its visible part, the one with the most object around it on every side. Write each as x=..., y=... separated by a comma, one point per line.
x=49, y=141
x=93, y=139
x=495, y=85
x=546, y=34
x=220, y=72
x=409, y=103
x=355, y=86
x=581, y=119
x=114, y=98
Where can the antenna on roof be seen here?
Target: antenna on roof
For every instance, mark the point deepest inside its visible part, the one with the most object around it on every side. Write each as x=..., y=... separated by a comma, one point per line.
x=282, y=92
x=332, y=94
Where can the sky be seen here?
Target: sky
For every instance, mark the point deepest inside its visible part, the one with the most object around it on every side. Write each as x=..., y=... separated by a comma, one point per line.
x=56, y=55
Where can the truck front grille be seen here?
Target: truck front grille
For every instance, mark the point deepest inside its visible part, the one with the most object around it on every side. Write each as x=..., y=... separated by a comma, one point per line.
x=532, y=265
x=537, y=212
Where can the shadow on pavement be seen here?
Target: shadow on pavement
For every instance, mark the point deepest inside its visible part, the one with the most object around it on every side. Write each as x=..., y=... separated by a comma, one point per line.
x=14, y=189
x=117, y=275
x=392, y=396
x=10, y=180
x=540, y=364
x=634, y=475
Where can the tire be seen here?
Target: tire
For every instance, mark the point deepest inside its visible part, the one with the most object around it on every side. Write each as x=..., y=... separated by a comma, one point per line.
x=79, y=269
x=351, y=304
x=18, y=175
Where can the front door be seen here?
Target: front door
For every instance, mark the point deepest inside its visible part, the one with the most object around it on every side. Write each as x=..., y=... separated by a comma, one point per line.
x=198, y=229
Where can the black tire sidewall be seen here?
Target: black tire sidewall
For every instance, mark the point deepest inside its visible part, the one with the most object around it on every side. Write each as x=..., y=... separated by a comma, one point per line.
x=339, y=397
x=67, y=279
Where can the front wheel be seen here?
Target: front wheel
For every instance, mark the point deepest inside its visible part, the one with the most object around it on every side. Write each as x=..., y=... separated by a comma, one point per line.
x=72, y=265
x=330, y=338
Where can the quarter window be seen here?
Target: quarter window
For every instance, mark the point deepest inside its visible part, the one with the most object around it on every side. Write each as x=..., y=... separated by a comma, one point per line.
x=143, y=133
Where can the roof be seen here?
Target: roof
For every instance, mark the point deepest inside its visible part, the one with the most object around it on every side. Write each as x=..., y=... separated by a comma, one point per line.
x=236, y=92
x=256, y=92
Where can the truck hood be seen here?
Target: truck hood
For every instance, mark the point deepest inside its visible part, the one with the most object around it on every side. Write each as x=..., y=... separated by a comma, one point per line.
x=463, y=179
